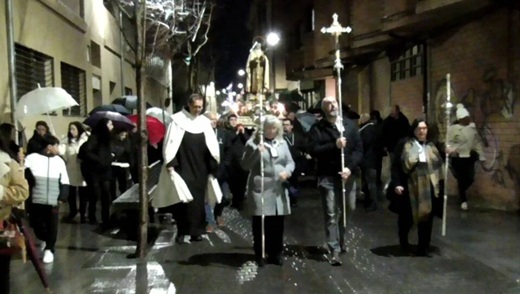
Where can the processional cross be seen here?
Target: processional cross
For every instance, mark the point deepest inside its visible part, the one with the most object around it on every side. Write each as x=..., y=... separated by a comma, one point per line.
x=336, y=30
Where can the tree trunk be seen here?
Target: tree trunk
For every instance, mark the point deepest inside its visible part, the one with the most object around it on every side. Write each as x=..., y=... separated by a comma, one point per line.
x=141, y=127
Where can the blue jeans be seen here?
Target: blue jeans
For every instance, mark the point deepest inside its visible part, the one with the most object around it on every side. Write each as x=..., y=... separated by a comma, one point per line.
x=332, y=199
x=210, y=220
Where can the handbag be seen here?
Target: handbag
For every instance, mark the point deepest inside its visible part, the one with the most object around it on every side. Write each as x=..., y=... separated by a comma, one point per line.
x=12, y=240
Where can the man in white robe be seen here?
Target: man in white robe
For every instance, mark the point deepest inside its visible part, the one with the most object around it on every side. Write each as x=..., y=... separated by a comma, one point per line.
x=191, y=157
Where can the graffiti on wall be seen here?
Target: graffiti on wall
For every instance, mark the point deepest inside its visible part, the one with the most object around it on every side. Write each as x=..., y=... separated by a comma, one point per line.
x=496, y=96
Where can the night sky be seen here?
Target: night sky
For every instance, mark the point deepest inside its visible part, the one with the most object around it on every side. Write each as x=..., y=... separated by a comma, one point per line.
x=230, y=39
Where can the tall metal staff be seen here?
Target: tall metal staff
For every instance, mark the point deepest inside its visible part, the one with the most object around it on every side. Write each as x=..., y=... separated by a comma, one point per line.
x=336, y=30
x=259, y=94
x=447, y=107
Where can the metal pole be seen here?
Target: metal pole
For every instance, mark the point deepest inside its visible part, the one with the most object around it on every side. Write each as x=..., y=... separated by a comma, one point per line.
x=447, y=107
x=122, y=51
x=11, y=63
x=261, y=131
x=336, y=30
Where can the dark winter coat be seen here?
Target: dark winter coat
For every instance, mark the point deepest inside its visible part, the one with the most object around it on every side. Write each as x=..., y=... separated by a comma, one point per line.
x=394, y=130
x=225, y=145
x=371, y=146
x=96, y=157
x=322, y=146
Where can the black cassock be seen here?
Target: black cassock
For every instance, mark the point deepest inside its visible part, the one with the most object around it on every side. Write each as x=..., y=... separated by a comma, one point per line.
x=193, y=162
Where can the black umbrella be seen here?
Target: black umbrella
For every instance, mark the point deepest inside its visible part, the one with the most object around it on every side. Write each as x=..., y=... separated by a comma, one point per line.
x=118, y=120
x=292, y=96
x=129, y=102
x=111, y=107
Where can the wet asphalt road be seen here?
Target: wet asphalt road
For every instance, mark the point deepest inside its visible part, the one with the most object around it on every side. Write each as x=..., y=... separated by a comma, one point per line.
x=478, y=255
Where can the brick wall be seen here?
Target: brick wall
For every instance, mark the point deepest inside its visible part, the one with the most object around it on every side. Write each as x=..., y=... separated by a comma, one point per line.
x=407, y=94
x=483, y=59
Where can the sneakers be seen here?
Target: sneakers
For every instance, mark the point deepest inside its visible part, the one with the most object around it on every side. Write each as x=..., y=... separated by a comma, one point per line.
x=48, y=256
x=464, y=206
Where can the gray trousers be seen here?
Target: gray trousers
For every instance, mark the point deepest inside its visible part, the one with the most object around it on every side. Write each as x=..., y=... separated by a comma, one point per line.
x=332, y=199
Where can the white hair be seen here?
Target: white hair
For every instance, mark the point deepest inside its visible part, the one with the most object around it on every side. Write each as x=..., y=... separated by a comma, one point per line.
x=272, y=121
x=328, y=98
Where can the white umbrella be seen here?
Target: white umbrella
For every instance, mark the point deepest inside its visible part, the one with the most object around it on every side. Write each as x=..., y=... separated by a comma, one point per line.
x=160, y=114
x=43, y=100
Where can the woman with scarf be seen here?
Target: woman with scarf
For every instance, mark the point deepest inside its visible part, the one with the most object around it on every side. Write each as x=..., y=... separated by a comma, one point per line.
x=417, y=182
x=278, y=167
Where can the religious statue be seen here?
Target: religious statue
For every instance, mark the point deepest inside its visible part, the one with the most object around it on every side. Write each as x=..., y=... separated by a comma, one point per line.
x=257, y=70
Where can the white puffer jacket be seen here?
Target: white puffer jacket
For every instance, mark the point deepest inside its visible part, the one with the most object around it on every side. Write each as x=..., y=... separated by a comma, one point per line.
x=69, y=152
x=464, y=139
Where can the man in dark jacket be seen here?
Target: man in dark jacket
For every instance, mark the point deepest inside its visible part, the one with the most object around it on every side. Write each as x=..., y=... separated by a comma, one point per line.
x=370, y=162
x=327, y=138
x=395, y=127
x=237, y=175
x=224, y=143
x=296, y=143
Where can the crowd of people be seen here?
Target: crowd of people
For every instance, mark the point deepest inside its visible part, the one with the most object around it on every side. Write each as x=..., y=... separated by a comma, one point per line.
x=213, y=162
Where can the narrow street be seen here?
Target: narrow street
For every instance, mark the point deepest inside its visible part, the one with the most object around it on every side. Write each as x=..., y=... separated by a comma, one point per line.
x=467, y=260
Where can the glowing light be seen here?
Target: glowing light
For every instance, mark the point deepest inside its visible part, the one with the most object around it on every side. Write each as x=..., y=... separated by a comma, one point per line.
x=273, y=39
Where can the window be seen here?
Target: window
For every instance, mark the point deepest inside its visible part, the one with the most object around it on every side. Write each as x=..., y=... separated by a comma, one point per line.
x=95, y=54
x=128, y=91
x=32, y=68
x=73, y=81
x=77, y=6
x=407, y=65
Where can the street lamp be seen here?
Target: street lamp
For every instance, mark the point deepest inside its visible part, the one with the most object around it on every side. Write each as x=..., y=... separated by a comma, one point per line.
x=240, y=85
x=273, y=39
x=241, y=72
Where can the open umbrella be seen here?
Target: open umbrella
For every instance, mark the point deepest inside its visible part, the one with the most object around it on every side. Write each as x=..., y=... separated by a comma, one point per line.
x=129, y=101
x=160, y=114
x=43, y=100
x=118, y=120
x=156, y=129
x=112, y=108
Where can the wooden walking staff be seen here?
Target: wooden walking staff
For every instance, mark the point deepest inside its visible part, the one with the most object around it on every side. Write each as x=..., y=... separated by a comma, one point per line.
x=447, y=107
x=336, y=30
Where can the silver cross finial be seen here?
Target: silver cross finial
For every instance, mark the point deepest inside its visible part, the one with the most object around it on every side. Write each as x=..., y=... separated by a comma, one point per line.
x=336, y=29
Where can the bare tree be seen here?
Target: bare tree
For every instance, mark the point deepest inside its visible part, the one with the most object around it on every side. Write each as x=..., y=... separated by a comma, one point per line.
x=163, y=28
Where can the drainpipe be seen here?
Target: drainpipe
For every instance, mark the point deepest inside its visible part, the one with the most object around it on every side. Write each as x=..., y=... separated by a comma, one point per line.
x=122, y=50
x=11, y=63
x=426, y=71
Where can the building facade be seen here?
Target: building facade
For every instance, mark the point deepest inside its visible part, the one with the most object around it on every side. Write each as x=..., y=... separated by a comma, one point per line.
x=73, y=44
x=400, y=51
